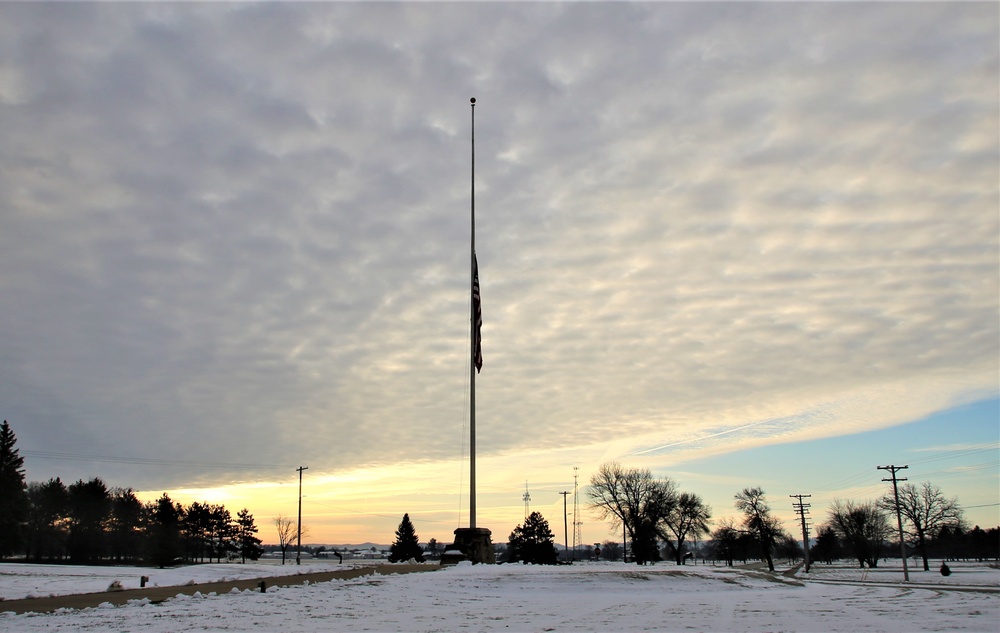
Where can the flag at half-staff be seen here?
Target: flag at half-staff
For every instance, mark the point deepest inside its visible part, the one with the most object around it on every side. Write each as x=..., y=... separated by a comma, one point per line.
x=477, y=315
x=473, y=543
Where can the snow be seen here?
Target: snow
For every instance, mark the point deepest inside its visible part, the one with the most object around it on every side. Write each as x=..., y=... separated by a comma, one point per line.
x=579, y=597
x=33, y=581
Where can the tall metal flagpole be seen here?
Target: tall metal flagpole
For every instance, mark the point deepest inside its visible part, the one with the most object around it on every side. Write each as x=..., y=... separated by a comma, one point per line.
x=472, y=320
x=473, y=543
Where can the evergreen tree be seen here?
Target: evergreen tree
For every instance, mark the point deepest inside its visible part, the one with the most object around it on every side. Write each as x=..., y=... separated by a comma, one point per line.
x=407, y=544
x=13, y=494
x=246, y=540
x=48, y=515
x=222, y=529
x=164, y=531
x=981, y=544
x=196, y=532
x=124, y=525
x=89, y=511
x=532, y=542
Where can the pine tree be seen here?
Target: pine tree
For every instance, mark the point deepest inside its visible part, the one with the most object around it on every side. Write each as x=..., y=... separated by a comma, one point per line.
x=164, y=531
x=48, y=515
x=248, y=543
x=532, y=542
x=407, y=544
x=13, y=493
x=123, y=527
x=89, y=510
x=223, y=532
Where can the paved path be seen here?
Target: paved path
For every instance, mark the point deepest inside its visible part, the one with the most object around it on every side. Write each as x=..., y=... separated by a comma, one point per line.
x=899, y=584
x=159, y=594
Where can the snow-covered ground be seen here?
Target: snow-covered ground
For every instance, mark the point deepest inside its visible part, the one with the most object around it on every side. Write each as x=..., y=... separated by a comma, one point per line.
x=579, y=597
x=34, y=581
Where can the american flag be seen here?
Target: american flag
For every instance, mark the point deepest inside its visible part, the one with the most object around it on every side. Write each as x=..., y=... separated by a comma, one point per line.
x=477, y=310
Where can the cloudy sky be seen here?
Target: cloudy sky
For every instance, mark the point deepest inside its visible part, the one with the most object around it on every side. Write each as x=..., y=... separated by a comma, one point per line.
x=234, y=240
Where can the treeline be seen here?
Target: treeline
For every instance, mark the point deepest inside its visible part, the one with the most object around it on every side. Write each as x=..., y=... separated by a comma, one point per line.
x=88, y=523
x=828, y=546
x=949, y=543
x=649, y=511
x=660, y=521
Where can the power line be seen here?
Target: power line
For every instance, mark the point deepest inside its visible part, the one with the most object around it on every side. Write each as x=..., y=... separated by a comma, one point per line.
x=962, y=470
x=957, y=453
x=414, y=515
x=145, y=461
x=367, y=514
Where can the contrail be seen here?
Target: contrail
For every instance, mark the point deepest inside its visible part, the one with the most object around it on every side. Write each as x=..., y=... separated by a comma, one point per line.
x=703, y=437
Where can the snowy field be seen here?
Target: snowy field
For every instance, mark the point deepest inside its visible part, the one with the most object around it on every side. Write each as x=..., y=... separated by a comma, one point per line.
x=579, y=597
x=33, y=581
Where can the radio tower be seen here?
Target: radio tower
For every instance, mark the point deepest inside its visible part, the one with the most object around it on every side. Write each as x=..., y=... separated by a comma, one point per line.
x=527, y=498
x=577, y=523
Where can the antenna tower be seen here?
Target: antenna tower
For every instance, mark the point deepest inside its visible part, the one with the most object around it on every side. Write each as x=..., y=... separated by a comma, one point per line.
x=527, y=499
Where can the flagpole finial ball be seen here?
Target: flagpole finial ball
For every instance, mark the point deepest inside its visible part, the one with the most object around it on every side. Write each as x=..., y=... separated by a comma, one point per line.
x=472, y=101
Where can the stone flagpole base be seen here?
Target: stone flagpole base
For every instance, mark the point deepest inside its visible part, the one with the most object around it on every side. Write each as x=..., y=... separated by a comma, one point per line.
x=472, y=544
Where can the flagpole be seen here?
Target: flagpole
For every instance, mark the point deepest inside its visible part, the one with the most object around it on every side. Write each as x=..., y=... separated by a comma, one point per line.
x=472, y=543
x=472, y=363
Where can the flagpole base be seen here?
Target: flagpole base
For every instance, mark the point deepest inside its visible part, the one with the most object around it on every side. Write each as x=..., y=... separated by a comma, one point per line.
x=472, y=544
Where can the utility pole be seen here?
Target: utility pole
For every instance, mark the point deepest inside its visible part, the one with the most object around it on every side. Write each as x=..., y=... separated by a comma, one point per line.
x=298, y=554
x=803, y=509
x=565, y=494
x=899, y=519
x=577, y=523
x=624, y=542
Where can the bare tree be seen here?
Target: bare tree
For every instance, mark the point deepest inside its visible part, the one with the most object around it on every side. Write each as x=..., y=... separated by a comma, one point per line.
x=788, y=547
x=725, y=540
x=689, y=517
x=827, y=547
x=863, y=526
x=925, y=511
x=286, y=529
x=633, y=498
x=610, y=550
x=757, y=519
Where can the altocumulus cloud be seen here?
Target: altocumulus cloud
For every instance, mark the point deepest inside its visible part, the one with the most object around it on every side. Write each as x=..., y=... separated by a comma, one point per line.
x=238, y=233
